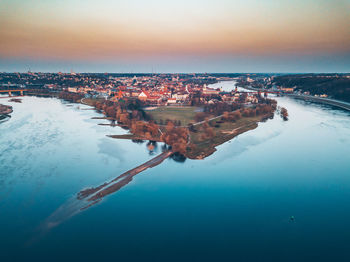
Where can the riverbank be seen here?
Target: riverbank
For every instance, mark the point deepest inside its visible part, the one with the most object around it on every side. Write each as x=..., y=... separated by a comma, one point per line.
x=326, y=101
x=332, y=102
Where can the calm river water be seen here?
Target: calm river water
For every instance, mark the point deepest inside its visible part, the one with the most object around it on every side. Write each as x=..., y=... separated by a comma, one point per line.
x=236, y=204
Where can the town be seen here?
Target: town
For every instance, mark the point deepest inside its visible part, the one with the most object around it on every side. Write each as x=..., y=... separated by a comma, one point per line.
x=171, y=89
x=154, y=89
x=151, y=89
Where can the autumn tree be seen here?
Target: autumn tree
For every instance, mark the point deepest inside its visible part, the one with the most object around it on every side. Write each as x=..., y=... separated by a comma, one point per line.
x=284, y=113
x=110, y=111
x=200, y=116
x=225, y=116
x=169, y=126
x=176, y=137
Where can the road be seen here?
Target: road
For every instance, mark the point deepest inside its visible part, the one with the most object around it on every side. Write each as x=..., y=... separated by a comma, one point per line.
x=210, y=119
x=328, y=101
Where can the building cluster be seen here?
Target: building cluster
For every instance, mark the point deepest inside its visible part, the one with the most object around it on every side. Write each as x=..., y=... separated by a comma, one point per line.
x=152, y=89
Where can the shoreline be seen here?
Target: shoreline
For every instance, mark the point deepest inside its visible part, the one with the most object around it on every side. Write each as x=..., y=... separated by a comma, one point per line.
x=332, y=102
x=327, y=101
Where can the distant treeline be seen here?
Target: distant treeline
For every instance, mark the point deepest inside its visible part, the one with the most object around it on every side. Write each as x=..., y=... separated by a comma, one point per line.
x=335, y=86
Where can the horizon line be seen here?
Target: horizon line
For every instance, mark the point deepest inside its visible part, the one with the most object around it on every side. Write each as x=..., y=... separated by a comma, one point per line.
x=158, y=73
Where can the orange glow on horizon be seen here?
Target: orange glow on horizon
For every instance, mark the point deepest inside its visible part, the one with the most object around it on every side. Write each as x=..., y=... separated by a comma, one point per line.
x=51, y=35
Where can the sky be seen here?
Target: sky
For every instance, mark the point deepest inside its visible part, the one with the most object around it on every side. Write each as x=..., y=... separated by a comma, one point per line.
x=175, y=36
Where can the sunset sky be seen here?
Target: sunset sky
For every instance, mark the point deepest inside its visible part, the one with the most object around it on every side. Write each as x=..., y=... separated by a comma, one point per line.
x=175, y=36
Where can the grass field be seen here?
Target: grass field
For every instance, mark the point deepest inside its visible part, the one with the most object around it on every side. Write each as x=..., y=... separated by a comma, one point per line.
x=184, y=114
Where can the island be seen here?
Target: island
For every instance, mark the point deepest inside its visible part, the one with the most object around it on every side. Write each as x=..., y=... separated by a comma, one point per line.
x=5, y=111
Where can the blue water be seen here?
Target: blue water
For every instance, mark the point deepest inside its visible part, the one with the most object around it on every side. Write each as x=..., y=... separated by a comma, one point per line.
x=234, y=205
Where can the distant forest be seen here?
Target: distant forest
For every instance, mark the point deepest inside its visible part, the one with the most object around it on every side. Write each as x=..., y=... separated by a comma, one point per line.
x=335, y=86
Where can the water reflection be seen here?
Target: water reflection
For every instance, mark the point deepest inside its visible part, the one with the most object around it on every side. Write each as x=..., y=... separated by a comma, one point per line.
x=152, y=147
x=4, y=118
x=138, y=141
x=177, y=157
x=107, y=148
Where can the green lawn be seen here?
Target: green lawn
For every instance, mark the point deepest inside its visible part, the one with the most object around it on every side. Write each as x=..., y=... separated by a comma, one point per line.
x=184, y=114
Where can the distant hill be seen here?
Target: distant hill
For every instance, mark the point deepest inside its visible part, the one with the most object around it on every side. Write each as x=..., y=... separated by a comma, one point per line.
x=333, y=85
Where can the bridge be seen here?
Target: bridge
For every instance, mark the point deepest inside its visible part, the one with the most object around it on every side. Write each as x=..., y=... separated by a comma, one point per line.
x=259, y=93
x=256, y=91
x=10, y=91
